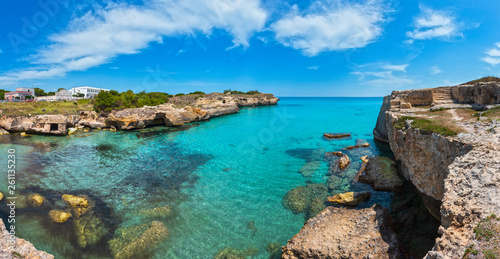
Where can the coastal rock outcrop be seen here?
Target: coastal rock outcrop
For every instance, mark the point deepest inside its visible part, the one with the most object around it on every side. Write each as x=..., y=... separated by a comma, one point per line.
x=382, y=174
x=349, y=198
x=178, y=111
x=458, y=174
x=345, y=233
x=21, y=247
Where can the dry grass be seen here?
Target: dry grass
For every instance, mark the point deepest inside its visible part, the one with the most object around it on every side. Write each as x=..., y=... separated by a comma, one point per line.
x=484, y=79
x=38, y=108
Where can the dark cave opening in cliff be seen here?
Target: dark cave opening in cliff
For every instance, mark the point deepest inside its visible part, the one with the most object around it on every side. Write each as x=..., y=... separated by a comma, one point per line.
x=54, y=127
x=414, y=225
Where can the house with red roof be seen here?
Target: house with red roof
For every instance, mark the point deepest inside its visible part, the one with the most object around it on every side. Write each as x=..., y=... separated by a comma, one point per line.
x=21, y=94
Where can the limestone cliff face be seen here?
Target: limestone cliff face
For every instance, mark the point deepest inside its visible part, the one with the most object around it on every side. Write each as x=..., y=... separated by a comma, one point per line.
x=22, y=248
x=178, y=111
x=458, y=176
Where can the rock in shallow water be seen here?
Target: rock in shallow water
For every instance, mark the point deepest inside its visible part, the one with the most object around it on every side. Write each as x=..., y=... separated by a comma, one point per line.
x=79, y=204
x=382, y=174
x=350, y=198
x=59, y=216
x=310, y=168
x=345, y=233
x=136, y=242
x=299, y=199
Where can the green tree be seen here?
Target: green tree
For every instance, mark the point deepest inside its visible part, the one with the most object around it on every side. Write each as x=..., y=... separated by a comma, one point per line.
x=2, y=94
x=40, y=92
x=51, y=93
x=61, y=89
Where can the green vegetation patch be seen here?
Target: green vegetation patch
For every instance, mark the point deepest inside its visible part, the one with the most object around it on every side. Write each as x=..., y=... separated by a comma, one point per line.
x=113, y=100
x=240, y=92
x=426, y=126
x=39, y=108
x=486, y=243
x=492, y=113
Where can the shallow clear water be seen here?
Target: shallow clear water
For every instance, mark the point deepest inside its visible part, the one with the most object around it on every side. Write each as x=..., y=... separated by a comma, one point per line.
x=218, y=176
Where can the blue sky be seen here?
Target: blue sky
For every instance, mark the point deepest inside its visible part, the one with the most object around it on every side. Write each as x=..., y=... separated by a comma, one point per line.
x=289, y=48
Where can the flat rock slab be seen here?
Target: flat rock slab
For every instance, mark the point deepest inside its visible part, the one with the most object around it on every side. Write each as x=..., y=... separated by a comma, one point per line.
x=345, y=233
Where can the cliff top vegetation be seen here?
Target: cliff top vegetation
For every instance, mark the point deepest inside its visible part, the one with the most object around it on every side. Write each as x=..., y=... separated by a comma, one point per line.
x=483, y=79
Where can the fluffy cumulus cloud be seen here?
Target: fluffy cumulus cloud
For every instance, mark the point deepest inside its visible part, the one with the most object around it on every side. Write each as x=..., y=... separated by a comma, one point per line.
x=383, y=75
x=119, y=29
x=430, y=24
x=331, y=26
x=493, y=55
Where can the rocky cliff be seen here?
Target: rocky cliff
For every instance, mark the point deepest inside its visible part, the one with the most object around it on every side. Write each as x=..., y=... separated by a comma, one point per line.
x=449, y=148
x=22, y=248
x=178, y=111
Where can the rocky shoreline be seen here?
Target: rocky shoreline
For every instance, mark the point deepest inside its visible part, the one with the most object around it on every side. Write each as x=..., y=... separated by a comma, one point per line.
x=456, y=171
x=178, y=111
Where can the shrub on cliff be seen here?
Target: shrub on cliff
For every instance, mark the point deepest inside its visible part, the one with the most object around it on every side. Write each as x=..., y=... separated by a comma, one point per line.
x=113, y=100
x=240, y=92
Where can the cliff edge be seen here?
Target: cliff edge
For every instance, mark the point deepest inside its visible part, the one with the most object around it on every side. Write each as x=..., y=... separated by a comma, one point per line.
x=447, y=143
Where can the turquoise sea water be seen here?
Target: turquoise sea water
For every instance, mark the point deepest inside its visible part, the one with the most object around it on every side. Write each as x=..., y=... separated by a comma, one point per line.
x=224, y=178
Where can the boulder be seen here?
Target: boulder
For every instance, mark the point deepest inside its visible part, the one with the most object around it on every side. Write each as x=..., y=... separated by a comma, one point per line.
x=382, y=174
x=345, y=233
x=344, y=162
x=336, y=153
x=1, y=196
x=59, y=216
x=350, y=198
x=72, y=130
x=79, y=204
x=336, y=135
x=37, y=199
x=136, y=242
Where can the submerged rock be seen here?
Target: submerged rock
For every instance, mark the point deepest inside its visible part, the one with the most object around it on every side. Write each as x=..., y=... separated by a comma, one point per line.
x=79, y=204
x=251, y=226
x=345, y=233
x=382, y=174
x=231, y=253
x=350, y=198
x=135, y=242
x=299, y=199
x=158, y=212
x=89, y=229
x=37, y=199
x=274, y=250
x=317, y=205
x=310, y=168
x=59, y=216
x=1, y=196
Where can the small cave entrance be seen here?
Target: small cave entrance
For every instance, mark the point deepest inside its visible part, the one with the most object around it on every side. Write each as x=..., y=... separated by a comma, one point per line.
x=54, y=127
x=415, y=226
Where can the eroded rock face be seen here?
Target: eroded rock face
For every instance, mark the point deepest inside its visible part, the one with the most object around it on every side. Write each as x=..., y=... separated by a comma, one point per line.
x=461, y=172
x=349, y=198
x=345, y=233
x=22, y=248
x=175, y=113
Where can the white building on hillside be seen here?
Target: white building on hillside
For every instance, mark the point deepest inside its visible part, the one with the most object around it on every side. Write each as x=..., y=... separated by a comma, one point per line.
x=87, y=91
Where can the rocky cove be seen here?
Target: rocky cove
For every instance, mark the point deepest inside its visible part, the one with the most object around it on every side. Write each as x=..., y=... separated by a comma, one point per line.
x=338, y=201
x=178, y=111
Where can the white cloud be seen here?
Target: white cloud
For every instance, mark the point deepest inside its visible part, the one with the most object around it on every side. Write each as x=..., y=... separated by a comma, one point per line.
x=431, y=24
x=493, y=57
x=331, y=26
x=313, y=68
x=391, y=67
x=119, y=29
x=383, y=75
x=435, y=70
